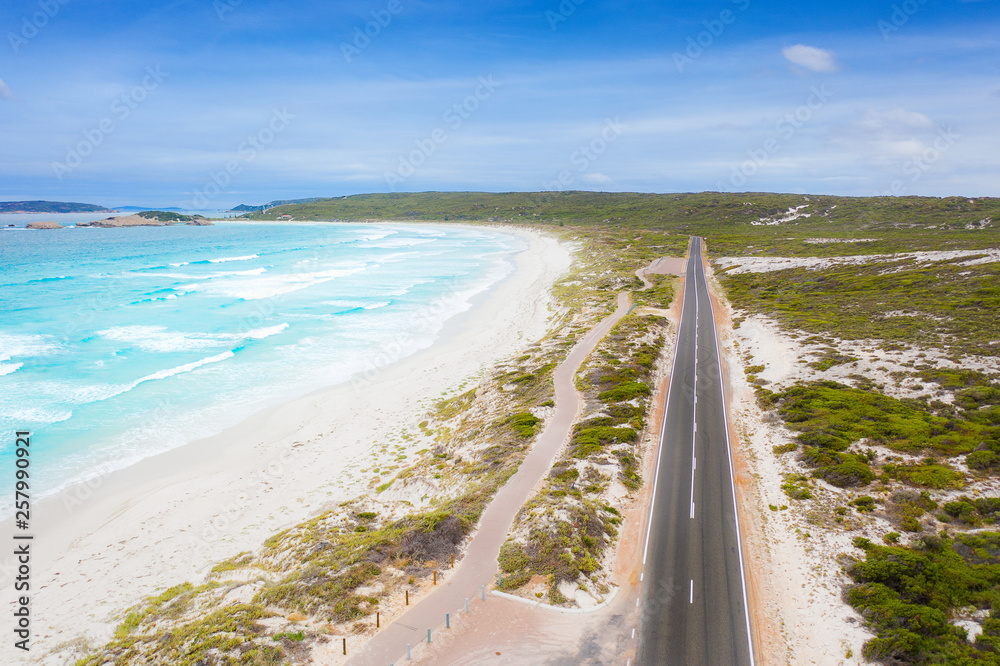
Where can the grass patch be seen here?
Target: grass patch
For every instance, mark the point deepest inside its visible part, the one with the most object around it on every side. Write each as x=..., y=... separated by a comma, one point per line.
x=942, y=305
x=926, y=475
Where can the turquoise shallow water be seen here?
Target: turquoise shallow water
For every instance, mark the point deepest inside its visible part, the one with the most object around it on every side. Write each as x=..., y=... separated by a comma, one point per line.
x=116, y=344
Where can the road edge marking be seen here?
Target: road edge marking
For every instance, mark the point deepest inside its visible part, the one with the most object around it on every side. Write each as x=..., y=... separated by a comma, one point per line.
x=732, y=477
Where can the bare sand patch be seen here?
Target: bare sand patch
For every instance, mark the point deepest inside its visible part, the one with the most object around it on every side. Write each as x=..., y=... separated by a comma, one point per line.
x=735, y=265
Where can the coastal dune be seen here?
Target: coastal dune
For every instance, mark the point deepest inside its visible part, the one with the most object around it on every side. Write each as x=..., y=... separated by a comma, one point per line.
x=105, y=545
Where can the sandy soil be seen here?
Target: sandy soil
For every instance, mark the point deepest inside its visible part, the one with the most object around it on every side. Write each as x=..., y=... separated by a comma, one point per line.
x=105, y=546
x=765, y=264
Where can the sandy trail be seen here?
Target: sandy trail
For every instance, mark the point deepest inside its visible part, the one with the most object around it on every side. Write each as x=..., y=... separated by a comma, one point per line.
x=479, y=565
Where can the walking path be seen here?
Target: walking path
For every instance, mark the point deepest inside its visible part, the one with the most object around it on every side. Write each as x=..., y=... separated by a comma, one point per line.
x=479, y=566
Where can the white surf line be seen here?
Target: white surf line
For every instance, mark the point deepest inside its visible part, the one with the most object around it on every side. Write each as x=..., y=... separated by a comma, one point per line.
x=732, y=478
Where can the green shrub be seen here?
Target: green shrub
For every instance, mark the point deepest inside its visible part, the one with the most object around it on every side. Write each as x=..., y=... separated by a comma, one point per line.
x=962, y=512
x=864, y=503
x=513, y=558
x=589, y=440
x=926, y=475
x=849, y=472
x=908, y=596
x=523, y=423
x=796, y=487
x=624, y=391
x=833, y=416
x=983, y=460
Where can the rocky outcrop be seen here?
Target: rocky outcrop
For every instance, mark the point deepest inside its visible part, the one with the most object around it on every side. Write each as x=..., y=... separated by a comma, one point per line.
x=44, y=225
x=145, y=221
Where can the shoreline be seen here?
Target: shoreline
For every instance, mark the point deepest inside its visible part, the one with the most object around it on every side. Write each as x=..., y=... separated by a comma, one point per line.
x=92, y=477
x=168, y=518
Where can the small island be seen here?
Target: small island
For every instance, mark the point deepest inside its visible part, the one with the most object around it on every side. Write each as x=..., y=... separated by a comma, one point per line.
x=47, y=224
x=148, y=218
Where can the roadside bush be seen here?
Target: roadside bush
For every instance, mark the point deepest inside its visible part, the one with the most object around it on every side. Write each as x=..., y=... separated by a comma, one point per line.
x=983, y=460
x=833, y=416
x=623, y=392
x=926, y=475
x=589, y=440
x=908, y=596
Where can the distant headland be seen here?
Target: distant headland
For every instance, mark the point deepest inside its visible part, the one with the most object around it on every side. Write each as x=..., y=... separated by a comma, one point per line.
x=51, y=207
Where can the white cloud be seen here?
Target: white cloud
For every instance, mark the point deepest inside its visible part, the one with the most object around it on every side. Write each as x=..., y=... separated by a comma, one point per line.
x=810, y=57
x=597, y=179
x=5, y=92
x=886, y=138
x=894, y=119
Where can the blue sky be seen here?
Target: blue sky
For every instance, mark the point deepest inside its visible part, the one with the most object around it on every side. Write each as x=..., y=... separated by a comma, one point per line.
x=210, y=103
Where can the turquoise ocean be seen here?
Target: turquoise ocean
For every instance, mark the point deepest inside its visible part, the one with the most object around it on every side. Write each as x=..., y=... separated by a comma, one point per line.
x=117, y=344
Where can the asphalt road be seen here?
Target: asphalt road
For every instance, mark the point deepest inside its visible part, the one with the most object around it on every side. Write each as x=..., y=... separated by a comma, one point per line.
x=694, y=608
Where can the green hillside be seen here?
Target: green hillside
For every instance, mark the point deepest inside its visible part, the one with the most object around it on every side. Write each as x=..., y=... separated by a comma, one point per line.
x=50, y=207
x=681, y=212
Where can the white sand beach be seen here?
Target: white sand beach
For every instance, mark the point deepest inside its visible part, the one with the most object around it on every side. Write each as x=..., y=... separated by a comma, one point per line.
x=102, y=547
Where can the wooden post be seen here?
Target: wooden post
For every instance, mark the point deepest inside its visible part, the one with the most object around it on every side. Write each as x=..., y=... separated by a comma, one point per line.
x=345, y=646
x=435, y=577
x=376, y=620
x=453, y=560
x=407, y=597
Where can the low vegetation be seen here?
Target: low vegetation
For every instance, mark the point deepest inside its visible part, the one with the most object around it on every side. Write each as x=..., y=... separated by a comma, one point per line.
x=706, y=213
x=945, y=305
x=562, y=536
x=328, y=576
x=833, y=420
x=911, y=596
